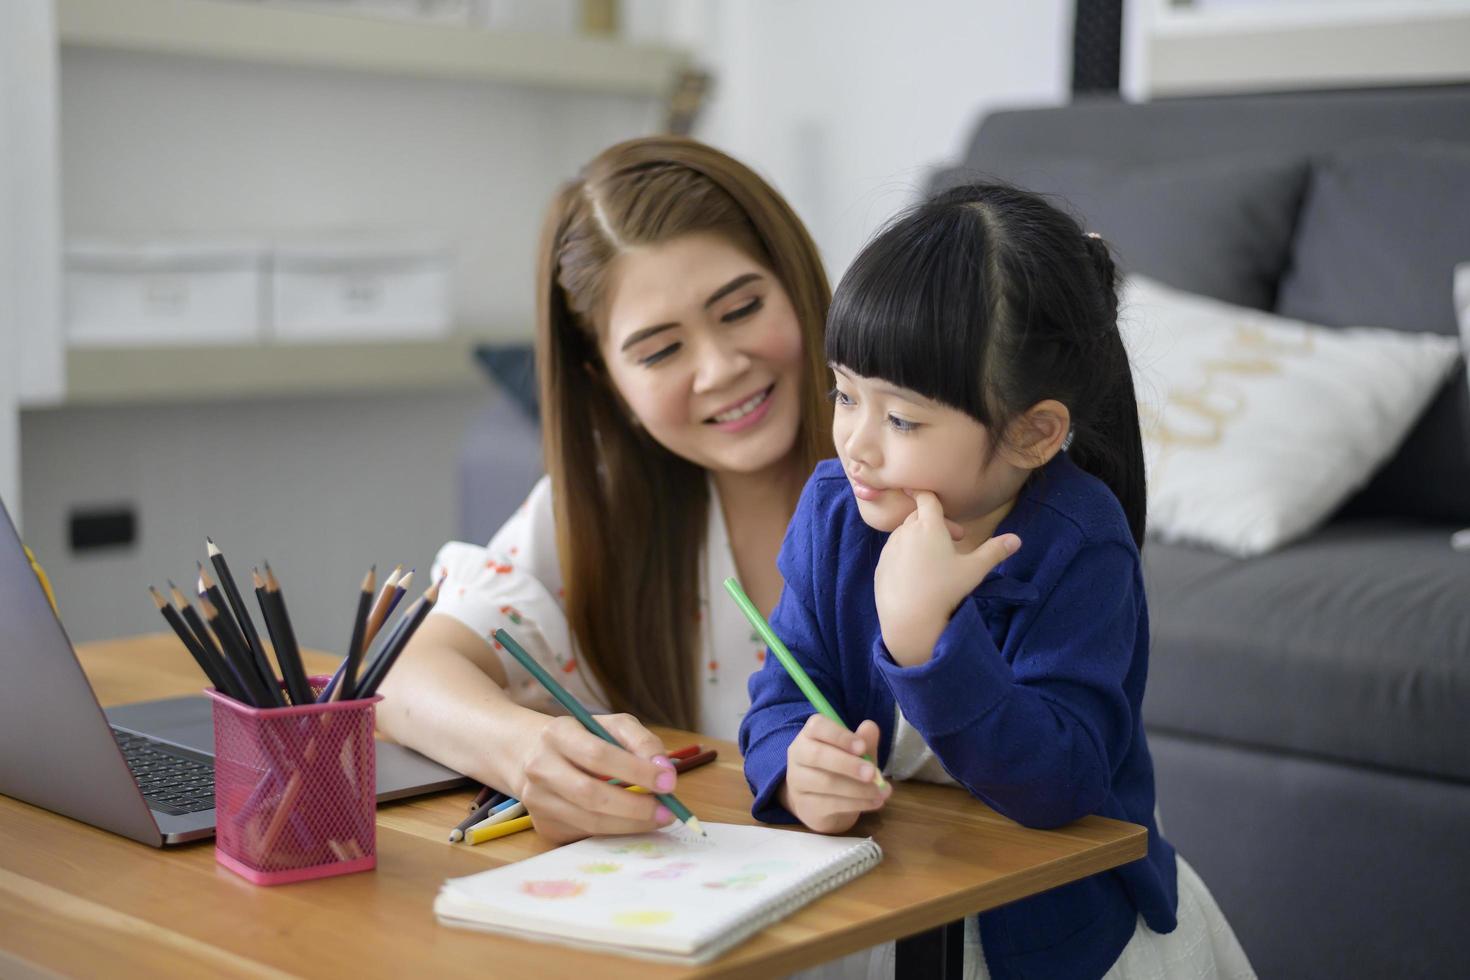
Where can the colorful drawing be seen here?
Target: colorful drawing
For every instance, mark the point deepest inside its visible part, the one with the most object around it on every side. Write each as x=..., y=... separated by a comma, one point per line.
x=738, y=882
x=601, y=868
x=643, y=918
x=652, y=850
x=555, y=888
x=668, y=872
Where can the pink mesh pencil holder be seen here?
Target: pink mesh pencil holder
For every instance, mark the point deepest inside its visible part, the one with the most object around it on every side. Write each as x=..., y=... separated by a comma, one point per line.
x=295, y=789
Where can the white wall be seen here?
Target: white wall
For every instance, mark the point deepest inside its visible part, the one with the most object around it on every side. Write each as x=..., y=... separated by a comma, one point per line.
x=165, y=145
x=320, y=487
x=30, y=353
x=846, y=106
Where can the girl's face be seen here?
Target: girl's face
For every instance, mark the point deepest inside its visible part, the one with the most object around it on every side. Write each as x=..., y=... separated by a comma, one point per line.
x=891, y=439
x=705, y=349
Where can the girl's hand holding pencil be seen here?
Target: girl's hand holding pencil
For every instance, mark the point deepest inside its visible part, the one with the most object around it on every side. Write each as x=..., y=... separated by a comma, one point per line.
x=828, y=782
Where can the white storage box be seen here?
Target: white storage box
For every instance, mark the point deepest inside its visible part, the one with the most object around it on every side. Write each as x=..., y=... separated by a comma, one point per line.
x=163, y=292
x=358, y=290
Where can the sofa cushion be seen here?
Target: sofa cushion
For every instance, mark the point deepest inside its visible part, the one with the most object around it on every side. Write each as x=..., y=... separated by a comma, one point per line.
x=1256, y=427
x=1380, y=233
x=1219, y=226
x=1353, y=645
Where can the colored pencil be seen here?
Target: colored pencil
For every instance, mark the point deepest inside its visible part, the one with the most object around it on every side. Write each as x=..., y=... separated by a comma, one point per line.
x=481, y=797
x=235, y=683
x=346, y=687
x=813, y=694
x=225, y=626
x=561, y=694
x=379, y=611
x=190, y=641
x=398, y=592
x=682, y=766
x=242, y=618
x=397, y=642
x=499, y=830
x=476, y=815
x=283, y=638
x=507, y=810
x=234, y=652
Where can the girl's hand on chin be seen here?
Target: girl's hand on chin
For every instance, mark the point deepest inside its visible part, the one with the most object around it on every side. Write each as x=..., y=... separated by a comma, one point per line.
x=921, y=578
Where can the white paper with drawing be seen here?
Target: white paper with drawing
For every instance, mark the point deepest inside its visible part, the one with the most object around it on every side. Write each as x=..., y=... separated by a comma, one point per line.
x=665, y=895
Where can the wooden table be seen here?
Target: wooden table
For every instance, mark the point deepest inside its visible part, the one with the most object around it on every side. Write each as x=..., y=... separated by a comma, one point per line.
x=80, y=901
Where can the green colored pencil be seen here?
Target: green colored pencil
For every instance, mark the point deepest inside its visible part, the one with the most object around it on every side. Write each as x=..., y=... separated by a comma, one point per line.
x=590, y=723
x=792, y=667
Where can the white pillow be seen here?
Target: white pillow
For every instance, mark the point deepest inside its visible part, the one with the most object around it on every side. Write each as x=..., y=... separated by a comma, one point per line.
x=1256, y=427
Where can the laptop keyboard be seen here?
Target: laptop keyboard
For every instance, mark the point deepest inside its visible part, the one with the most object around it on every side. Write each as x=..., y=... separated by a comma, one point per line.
x=170, y=782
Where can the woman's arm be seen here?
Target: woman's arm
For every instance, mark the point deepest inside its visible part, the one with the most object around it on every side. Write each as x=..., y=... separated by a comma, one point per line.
x=452, y=697
x=444, y=699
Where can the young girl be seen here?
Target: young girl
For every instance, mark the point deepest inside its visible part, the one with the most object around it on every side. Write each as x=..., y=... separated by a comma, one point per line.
x=966, y=576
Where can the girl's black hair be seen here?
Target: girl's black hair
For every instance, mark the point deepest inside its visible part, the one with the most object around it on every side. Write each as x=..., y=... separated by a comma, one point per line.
x=989, y=299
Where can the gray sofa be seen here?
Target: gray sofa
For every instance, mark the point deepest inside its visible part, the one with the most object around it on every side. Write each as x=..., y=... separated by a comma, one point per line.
x=1308, y=710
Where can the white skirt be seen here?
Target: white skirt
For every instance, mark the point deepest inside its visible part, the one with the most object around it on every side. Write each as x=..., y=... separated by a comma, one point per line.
x=1201, y=947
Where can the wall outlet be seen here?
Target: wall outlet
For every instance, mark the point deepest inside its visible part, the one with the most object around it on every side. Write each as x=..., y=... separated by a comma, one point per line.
x=102, y=528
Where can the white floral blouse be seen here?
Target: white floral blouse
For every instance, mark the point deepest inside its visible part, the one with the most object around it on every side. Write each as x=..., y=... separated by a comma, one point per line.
x=515, y=583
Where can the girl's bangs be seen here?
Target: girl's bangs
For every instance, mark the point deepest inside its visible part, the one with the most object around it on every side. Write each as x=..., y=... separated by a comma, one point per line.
x=912, y=309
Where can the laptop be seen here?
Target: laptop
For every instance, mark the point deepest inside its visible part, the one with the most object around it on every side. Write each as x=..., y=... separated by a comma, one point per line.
x=145, y=770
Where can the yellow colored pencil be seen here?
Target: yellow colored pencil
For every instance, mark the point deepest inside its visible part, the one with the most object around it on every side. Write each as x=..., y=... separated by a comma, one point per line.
x=480, y=835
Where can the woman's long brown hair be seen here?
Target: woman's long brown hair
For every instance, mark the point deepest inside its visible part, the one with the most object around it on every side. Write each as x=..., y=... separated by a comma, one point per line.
x=630, y=515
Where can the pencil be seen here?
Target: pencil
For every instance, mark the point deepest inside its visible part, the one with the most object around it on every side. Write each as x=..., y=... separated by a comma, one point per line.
x=283, y=638
x=347, y=685
x=561, y=694
x=792, y=667
x=398, y=592
x=230, y=644
x=682, y=766
x=477, y=814
x=190, y=641
x=499, y=830
x=481, y=797
x=379, y=611
x=242, y=618
x=508, y=810
x=225, y=626
x=235, y=685
x=396, y=642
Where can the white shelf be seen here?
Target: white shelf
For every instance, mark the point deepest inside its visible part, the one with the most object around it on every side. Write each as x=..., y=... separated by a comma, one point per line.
x=116, y=375
x=1200, y=52
x=237, y=31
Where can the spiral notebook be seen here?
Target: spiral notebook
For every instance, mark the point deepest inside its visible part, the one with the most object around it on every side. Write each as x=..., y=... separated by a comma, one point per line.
x=669, y=895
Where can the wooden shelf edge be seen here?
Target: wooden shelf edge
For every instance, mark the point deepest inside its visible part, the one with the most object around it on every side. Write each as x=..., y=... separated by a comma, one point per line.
x=114, y=375
x=307, y=38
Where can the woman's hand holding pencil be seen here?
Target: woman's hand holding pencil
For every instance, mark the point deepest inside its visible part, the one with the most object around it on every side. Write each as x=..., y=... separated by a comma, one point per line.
x=612, y=810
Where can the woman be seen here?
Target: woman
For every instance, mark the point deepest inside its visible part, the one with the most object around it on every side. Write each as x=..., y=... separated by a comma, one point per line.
x=679, y=345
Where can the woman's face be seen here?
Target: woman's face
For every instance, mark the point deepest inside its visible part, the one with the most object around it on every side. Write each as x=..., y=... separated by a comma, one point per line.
x=705, y=348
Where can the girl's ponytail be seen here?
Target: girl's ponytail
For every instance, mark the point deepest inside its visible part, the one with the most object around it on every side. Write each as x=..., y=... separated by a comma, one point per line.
x=1109, y=444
